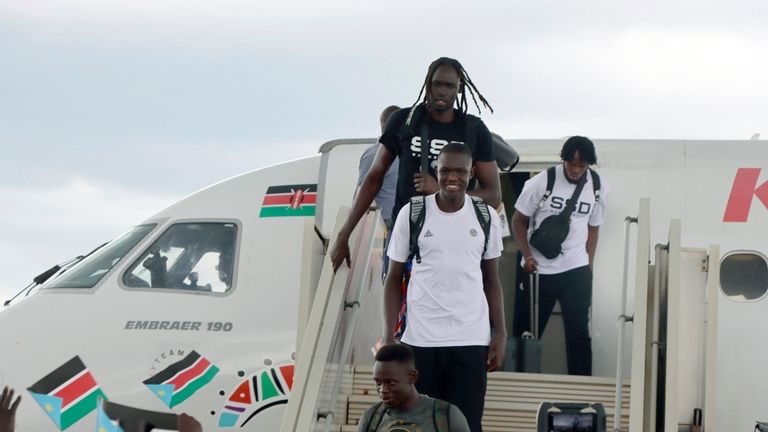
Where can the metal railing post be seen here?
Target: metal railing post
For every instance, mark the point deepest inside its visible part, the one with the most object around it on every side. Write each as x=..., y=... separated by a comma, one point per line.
x=623, y=319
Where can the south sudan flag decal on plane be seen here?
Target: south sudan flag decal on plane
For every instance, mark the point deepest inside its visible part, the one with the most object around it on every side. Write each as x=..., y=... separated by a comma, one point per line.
x=67, y=394
x=176, y=383
x=289, y=200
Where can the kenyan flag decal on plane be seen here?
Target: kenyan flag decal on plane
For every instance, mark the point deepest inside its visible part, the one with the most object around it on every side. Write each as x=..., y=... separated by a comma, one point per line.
x=176, y=383
x=289, y=200
x=67, y=394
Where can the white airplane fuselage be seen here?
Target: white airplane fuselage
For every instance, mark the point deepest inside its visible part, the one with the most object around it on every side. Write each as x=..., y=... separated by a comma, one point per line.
x=126, y=333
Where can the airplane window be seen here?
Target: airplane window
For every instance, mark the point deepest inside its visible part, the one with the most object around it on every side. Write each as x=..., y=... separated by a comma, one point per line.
x=172, y=254
x=187, y=256
x=744, y=276
x=89, y=271
x=209, y=274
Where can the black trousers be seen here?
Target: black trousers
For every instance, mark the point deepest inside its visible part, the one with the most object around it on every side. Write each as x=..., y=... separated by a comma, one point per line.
x=573, y=289
x=457, y=375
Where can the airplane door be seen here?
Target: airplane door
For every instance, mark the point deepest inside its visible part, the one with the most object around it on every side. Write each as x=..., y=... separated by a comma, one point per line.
x=742, y=376
x=681, y=330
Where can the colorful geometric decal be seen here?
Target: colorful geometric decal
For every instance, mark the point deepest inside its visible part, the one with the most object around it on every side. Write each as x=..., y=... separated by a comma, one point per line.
x=67, y=394
x=289, y=200
x=103, y=422
x=265, y=389
x=176, y=383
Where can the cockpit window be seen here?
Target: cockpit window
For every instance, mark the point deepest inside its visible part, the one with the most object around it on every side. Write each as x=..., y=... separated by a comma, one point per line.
x=744, y=276
x=91, y=270
x=187, y=256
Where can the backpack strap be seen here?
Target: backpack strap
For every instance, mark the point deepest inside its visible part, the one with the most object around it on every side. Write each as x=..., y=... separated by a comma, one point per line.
x=440, y=416
x=378, y=415
x=551, y=173
x=416, y=223
x=483, y=214
x=595, y=184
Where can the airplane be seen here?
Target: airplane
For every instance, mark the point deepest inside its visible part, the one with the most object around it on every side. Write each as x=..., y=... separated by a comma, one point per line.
x=225, y=306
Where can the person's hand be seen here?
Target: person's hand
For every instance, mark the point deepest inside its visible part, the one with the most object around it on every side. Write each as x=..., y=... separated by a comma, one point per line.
x=388, y=338
x=340, y=251
x=187, y=423
x=530, y=265
x=380, y=342
x=425, y=184
x=8, y=410
x=496, y=351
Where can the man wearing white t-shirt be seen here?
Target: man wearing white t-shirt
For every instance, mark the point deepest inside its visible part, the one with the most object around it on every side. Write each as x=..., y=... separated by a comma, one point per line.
x=455, y=307
x=568, y=276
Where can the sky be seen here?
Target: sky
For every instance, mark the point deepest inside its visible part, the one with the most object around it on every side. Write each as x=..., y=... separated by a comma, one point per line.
x=111, y=111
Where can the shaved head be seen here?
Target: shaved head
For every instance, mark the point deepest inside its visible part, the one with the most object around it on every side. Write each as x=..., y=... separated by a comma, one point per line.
x=388, y=111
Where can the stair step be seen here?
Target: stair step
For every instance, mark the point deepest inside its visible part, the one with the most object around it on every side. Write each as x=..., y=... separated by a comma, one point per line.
x=512, y=399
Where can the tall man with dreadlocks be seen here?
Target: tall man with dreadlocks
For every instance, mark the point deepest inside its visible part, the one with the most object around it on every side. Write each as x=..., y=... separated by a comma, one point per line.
x=444, y=113
x=437, y=120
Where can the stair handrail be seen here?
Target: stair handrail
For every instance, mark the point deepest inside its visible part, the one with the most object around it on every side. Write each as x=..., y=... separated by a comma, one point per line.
x=302, y=412
x=623, y=319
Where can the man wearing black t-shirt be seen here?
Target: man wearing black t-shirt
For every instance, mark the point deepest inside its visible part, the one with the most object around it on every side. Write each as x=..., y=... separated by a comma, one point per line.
x=444, y=111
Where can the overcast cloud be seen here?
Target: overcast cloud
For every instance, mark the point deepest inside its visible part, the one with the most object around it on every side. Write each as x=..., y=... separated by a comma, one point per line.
x=105, y=107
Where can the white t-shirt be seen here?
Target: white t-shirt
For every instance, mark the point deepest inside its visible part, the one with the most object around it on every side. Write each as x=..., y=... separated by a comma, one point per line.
x=574, y=252
x=446, y=301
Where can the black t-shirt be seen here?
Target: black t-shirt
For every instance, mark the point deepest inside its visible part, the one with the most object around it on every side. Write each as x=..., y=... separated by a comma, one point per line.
x=408, y=148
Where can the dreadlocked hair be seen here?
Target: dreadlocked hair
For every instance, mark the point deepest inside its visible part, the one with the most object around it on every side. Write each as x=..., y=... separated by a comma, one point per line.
x=465, y=85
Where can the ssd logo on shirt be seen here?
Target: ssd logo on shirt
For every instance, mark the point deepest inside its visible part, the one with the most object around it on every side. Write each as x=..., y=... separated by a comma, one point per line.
x=435, y=146
x=558, y=203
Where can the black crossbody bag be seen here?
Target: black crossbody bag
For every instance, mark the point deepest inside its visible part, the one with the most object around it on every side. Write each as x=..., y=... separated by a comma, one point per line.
x=548, y=238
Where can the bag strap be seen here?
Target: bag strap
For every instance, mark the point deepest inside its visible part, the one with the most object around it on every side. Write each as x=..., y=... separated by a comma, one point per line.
x=440, y=416
x=483, y=214
x=570, y=206
x=416, y=223
x=378, y=415
x=595, y=184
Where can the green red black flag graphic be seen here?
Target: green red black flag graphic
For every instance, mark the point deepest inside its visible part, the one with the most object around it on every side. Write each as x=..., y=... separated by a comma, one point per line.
x=289, y=200
x=67, y=394
x=176, y=383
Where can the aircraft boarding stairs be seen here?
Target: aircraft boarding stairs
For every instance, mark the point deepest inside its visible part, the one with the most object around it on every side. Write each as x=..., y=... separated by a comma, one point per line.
x=334, y=385
x=512, y=399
